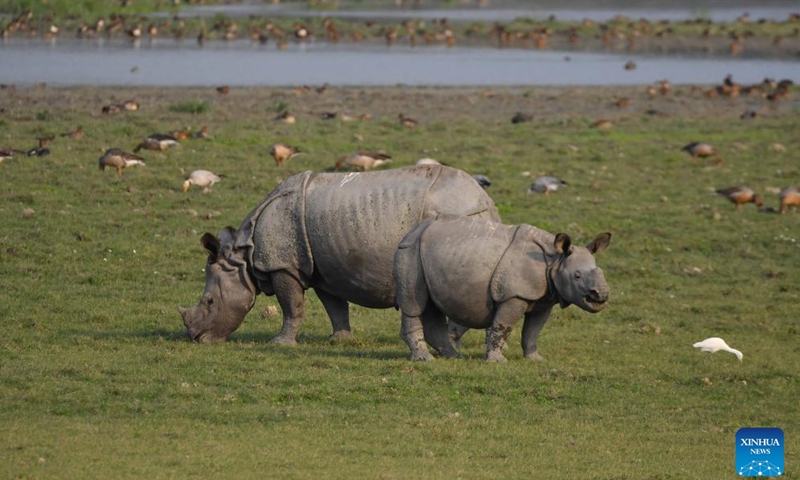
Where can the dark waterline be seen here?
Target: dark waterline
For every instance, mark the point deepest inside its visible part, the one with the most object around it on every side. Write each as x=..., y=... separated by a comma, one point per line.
x=243, y=63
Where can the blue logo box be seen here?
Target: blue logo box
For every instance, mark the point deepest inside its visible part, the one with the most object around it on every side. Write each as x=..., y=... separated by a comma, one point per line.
x=759, y=452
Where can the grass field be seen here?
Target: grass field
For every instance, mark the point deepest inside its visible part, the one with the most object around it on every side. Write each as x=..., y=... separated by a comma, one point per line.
x=97, y=381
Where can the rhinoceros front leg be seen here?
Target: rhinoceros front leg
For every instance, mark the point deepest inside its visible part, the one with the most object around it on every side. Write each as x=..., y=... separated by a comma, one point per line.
x=338, y=312
x=534, y=321
x=290, y=296
x=412, y=333
x=507, y=315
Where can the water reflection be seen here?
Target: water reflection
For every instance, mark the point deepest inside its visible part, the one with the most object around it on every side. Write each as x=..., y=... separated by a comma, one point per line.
x=243, y=63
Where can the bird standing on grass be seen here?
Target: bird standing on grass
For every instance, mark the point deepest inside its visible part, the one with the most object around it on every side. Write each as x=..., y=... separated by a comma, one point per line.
x=740, y=195
x=790, y=197
x=715, y=344
x=114, y=157
x=281, y=152
x=363, y=160
x=546, y=185
x=201, y=178
x=157, y=141
x=703, y=150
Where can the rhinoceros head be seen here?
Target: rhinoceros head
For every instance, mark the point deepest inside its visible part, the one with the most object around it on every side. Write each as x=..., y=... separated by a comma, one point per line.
x=577, y=278
x=229, y=294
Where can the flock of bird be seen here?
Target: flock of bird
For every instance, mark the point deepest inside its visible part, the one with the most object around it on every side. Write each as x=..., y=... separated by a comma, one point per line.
x=618, y=32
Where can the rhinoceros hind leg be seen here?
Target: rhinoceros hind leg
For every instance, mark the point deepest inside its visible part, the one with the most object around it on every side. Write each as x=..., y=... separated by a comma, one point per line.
x=435, y=328
x=290, y=296
x=412, y=333
x=337, y=309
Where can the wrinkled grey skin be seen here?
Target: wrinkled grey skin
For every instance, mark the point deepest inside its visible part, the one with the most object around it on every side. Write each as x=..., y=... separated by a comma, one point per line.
x=334, y=232
x=480, y=274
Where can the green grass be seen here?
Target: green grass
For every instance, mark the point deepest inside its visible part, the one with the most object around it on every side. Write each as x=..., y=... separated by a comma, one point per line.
x=189, y=106
x=97, y=381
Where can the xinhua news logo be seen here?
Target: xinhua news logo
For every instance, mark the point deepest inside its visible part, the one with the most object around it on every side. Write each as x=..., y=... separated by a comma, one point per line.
x=759, y=452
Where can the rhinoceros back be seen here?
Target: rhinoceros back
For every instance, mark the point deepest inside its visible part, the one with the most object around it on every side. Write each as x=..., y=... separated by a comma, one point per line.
x=355, y=222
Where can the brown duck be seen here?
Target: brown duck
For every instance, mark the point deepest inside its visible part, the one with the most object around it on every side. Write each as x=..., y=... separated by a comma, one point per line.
x=119, y=159
x=741, y=195
x=790, y=197
x=281, y=152
x=703, y=150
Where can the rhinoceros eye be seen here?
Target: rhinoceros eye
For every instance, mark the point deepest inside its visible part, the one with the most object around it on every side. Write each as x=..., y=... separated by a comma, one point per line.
x=577, y=275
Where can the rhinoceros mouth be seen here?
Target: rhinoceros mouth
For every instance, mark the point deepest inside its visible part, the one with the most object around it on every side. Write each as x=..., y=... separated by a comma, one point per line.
x=595, y=303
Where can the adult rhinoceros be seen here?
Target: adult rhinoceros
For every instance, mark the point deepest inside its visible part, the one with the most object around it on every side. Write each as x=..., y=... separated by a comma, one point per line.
x=334, y=232
x=487, y=275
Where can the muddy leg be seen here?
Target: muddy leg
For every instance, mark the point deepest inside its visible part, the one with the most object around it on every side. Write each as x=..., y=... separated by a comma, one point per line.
x=534, y=321
x=411, y=332
x=337, y=309
x=435, y=328
x=290, y=296
x=507, y=315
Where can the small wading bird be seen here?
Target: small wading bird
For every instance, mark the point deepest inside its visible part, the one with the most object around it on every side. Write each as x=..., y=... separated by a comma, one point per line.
x=790, y=197
x=703, y=150
x=156, y=141
x=201, y=178
x=715, y=344
x=740, y=195
x=363, y=160
x=119, y=159
x=281, y=152
x=546, y=185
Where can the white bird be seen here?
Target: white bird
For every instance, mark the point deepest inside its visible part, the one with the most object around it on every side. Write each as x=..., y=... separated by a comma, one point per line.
x=715, y=344
x=546, y=185
x=201, y=178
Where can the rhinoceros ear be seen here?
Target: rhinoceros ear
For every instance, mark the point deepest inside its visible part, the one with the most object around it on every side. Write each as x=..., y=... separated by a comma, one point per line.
x=563, y=243
x=599, y=243
x=210, y=243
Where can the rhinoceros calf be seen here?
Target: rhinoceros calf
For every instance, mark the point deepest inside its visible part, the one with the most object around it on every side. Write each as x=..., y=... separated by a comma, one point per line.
x=334, y=232
x=481, y=274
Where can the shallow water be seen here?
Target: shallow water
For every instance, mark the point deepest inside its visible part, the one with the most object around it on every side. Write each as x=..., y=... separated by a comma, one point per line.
x=242, y=63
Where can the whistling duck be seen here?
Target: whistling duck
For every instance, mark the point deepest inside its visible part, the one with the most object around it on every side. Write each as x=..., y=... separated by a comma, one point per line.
x=203, y=133
x=630, y=65
x=741, y=195
x=790, y=197
x=546, y=185
x=363, y=160
x=703, y=150
x=201, y=178
x=285, y=117
x=180, y=134
x=407, y=121
x=603, y=124
x=282, y=152
x=77, y=134
x=156, y=141
x=119, y=159
x=224, y=90
x=112, y=109
x=45, y=140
